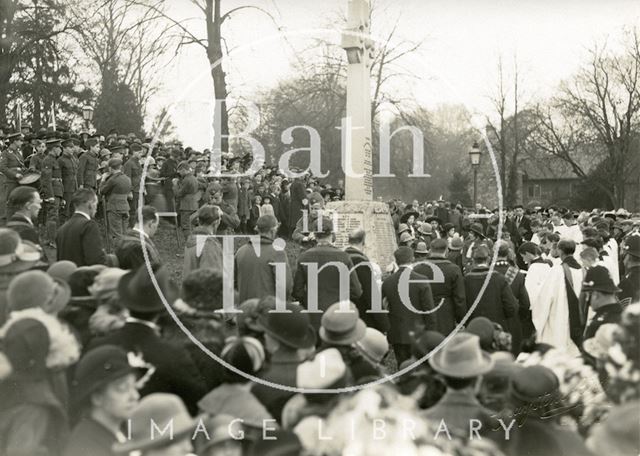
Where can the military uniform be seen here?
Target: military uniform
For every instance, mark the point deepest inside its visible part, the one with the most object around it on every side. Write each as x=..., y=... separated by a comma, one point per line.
x=11, y=164
x=51, y=190
x=187, y=199
x=88, y=170
x=35, y=162
x=116, y=188
x=606, y=314
x=69, y=170
x=133, y=170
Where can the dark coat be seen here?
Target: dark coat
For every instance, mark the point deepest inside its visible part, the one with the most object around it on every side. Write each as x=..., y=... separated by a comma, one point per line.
x=51, y=178
x=129, y=251
x=69, y=169
x=88, y=170
x=90, y=437
x=11, y=164
x=497, y=303
x=630, y=285
x=379, y=321
x=282, y=370
x=116, y=188
x=79, y=240
x=456, y=408
x=175, y=371
x=133, y=170
x=520, y=326
x=298, y=193
x=255, y=275
x=451, y=291
x=328, y=279
x=607, y=314
x=187, y=193
x=24, y=227
x=403, y=320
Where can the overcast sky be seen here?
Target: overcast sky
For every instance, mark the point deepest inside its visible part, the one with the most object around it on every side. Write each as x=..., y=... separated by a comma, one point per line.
x=457, y=64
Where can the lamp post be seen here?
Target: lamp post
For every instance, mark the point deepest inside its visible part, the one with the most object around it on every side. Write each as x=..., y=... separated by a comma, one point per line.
x=87, y=115
x=474, y=155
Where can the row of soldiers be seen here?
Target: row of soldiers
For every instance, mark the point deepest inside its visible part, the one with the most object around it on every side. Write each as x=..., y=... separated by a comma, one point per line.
x=64, y=166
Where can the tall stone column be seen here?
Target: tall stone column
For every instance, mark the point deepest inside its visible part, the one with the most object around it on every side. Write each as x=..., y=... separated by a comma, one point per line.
x=359, y=210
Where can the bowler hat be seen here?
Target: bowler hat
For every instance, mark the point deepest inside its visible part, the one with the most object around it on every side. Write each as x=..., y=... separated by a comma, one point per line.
x=137, y=291
x=97, y=368
x=341, y=324
x=456, y=243
x=291, y=328
x=598, y=278
x=164, y=410
x=462, y=357
x=37, y=289
x=632, y=246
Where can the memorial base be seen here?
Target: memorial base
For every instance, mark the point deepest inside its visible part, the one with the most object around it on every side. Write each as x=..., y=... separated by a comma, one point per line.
x=375, y=219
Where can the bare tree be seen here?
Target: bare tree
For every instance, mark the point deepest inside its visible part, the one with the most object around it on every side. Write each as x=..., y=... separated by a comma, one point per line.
x=595, y=119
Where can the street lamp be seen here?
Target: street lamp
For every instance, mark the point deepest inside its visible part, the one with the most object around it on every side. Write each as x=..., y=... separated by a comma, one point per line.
x=474, y=155
x=87, y=115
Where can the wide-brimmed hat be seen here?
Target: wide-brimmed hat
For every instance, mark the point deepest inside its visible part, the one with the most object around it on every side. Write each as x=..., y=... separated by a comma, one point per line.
x=341, y=324
x=105, y=284
x=374, y=345
x=62, y=269
x=406, y=237
x=425, y=343
x=421, y=248
x=462, y=357
x=406, y=215
x=477, y=229
x=291, y=328
x=433, y=218
x=37, y=289
x=137, y=291
x=598, y=345
x=425, y=228
x=533, y=384
x=402, y=228
x=99, y=367
x=17, y=255
x=164, y=409
x=598, y=278
x=79, y=282
x=323, y=371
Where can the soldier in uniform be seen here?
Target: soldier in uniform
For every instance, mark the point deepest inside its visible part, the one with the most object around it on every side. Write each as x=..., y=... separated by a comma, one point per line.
x=51, y=189
x=69, y=168
x=116, y=188
x=35, y=161
x=88, y=165
x=133, y=170
x=186, y=196
x=12, y=165
x=630, y=284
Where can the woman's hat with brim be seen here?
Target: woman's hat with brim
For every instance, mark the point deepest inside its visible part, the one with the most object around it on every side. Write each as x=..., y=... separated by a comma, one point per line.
x=462, y=357
x=163, y=409
x=533, y=384
x=99, y=367
x=37, y=289
x=421, y=248
x=341, y=324
x=292, y=328
x=477, y=229
x=406, y=215
x=433, y=218
x=598, y=345
x=137, y=291
x=17, y=255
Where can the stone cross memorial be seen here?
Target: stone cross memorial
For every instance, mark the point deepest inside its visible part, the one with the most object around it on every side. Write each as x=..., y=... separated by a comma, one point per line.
x=359, y=210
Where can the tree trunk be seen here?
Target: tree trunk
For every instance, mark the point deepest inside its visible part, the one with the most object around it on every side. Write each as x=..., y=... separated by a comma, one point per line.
x=214, y=54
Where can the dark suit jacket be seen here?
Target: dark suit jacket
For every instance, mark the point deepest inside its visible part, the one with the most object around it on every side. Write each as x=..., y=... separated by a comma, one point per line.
x=403, y=320
x=130, y=254
x=79, y=240
x=379, y=321
x=328, y=280
x=520, y=326
x=175, y=371
x=456, y=408
x=630, y=285
x=497, y=302
x=26, y=230
x=454, y=306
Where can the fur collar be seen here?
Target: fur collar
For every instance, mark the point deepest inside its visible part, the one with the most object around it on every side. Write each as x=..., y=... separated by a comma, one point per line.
x=64, y=349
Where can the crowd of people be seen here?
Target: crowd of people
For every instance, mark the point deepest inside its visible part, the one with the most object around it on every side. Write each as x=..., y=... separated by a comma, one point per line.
x=492, y=332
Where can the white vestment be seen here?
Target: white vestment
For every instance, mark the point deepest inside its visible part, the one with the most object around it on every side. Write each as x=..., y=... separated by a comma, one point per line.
x=552, y=317
x=535, y=279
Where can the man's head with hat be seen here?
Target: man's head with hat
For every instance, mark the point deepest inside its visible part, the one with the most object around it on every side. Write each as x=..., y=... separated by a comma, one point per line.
x=341, y=325
x=598, y=288
x=115, y=164
x=462, y=362
x=631, y=252
x=289, y=331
